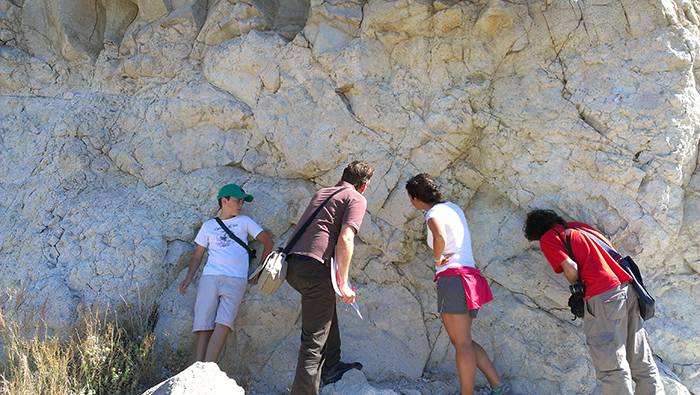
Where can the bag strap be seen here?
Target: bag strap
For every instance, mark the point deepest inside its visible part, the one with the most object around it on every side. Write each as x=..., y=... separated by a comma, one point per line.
x=306, y=224
x=632, y=269
x=614, y=254
x=233, y=236
x=567, y=243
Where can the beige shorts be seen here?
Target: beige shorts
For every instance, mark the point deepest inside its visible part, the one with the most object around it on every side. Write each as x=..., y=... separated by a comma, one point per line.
x=218, y=298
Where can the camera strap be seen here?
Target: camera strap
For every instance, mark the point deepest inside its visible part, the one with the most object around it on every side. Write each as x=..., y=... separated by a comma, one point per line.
x=567, y=243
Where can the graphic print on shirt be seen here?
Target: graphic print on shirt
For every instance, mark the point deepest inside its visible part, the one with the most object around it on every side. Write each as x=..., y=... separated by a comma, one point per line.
x=222, y=238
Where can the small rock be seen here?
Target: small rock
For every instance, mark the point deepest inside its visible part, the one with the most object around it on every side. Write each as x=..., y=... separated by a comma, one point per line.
x=354, y=382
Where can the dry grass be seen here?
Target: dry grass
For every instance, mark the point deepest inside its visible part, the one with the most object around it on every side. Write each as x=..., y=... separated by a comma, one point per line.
x=109, y=352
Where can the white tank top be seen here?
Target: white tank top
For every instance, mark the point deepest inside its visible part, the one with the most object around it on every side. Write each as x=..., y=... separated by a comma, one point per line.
x=458, y=241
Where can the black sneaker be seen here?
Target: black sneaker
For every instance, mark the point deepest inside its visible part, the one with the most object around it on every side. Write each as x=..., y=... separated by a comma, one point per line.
x=337, y=373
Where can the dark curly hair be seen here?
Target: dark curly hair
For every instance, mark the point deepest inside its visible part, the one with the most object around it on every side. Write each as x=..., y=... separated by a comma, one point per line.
x=540, y=221
x=424, y=188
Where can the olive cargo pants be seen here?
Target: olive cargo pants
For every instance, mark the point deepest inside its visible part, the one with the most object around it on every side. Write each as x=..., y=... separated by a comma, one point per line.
x=618, y=344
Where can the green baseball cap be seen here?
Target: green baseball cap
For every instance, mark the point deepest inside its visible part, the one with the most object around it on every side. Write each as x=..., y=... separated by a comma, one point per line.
x=235, y=191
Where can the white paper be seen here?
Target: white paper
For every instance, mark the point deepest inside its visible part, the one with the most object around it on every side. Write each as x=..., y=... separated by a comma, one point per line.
x=334, y=280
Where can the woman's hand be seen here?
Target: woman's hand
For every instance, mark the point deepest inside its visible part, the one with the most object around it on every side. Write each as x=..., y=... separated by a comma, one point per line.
x=443, y=260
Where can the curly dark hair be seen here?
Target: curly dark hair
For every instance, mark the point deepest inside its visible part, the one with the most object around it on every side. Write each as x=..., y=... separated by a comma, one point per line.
x=540, y=221
x=424, y=188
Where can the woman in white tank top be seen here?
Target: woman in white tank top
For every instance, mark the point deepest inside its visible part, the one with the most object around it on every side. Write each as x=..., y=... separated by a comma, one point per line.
x=462, y=290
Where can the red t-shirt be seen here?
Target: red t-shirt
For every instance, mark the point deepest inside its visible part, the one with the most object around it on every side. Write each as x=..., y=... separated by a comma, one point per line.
x=597, y=269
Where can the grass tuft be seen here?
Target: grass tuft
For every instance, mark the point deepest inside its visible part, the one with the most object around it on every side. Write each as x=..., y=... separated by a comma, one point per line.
x=108, y=352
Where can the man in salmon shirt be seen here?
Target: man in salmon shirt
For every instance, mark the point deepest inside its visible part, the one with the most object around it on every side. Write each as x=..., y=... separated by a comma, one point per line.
x=616, y=340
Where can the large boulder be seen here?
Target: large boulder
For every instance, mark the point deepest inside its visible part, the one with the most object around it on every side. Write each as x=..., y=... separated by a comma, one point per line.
x=202, y=378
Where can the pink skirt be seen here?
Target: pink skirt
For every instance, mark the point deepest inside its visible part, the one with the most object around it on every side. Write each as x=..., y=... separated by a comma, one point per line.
x=476, y=288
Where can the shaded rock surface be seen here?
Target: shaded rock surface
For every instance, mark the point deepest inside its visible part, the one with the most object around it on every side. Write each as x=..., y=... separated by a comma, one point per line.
x=119, y=120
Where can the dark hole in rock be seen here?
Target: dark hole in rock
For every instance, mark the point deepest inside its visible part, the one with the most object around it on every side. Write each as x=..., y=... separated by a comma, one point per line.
x=288, y=16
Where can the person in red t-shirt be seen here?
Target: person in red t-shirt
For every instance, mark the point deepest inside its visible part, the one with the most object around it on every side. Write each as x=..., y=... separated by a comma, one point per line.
x=616, y=340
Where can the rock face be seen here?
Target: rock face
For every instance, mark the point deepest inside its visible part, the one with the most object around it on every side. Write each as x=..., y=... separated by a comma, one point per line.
x=119, y=120
x=354, y=382
x=202, y=378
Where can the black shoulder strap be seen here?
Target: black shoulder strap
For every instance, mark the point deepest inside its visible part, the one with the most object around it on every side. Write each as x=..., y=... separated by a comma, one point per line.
x=306, y=224
x=567, y=243
x=233, y=236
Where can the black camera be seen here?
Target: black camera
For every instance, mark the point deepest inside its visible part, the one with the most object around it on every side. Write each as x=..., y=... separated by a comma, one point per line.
x=577, y=288
x=576, y=302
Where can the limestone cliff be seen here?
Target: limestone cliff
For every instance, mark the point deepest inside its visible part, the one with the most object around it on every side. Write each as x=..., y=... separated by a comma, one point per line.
x=119, y=119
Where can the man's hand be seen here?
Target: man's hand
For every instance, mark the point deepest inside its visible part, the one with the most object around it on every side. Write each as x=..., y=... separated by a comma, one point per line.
x=184, y=284
x=344, y=249
x=347, y=293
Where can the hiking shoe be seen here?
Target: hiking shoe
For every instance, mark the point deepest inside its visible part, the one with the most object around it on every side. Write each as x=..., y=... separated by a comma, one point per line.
x=502, y=389
x=337, y=373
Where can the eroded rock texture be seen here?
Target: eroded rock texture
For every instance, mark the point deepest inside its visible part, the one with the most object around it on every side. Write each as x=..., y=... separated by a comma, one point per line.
x=120, y=119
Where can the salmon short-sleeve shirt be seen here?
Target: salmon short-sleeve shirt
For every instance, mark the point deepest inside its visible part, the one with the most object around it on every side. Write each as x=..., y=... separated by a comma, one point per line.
x=345, y=208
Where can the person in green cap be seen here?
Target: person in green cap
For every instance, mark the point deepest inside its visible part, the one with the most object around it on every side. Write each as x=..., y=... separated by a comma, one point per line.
x=225, y=274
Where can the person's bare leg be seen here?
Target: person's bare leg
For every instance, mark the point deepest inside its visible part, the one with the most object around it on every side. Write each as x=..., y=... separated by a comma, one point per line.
x=216, y=343
x=459, y=330
x=202, y=342
x=484, y=364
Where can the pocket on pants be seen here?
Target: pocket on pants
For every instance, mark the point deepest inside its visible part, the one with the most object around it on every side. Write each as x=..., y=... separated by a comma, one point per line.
x=614, y=307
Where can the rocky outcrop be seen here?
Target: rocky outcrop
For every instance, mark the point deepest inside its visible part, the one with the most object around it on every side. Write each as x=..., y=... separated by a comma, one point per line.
x=202, y=378
x=119, y=120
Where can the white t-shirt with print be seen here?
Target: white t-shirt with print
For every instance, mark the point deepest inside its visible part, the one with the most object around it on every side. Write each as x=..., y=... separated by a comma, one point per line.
x=458, y=241
x=226, y=256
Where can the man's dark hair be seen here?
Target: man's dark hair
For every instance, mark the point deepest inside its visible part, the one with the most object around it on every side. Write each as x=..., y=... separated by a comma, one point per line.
x=424, y=188
x=357, y=173
x=538, y=222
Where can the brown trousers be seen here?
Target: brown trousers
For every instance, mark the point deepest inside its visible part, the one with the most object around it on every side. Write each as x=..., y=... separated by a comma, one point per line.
x=618, y=344
x=320, y=335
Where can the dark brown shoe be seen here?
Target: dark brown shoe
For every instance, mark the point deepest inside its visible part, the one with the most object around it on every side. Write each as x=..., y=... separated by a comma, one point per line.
x=337, y=373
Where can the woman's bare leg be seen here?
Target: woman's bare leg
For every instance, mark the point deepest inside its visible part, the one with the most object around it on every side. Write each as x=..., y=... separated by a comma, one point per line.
x=469, y=353
x=484, y=364
x=459, y=330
